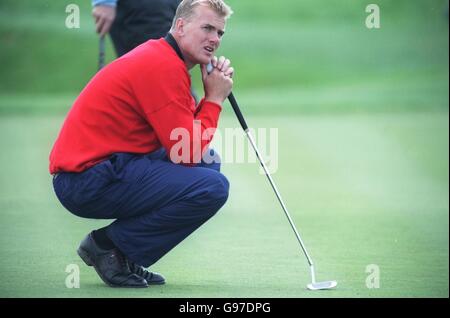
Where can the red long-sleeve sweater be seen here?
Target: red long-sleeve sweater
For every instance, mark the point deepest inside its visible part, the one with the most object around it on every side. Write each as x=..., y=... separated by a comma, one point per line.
x=133, y=105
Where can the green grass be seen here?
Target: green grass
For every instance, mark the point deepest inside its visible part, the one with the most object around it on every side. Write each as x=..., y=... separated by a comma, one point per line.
x=390, y=95
x=362, y=190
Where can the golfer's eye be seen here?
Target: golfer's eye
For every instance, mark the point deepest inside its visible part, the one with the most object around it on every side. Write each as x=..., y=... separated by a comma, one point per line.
x=210, y=28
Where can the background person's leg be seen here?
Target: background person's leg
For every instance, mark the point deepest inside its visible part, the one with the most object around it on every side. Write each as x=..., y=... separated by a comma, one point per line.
x=138, y=21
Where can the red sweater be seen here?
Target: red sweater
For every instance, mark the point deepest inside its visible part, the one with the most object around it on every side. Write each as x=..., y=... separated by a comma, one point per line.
x=132, y=105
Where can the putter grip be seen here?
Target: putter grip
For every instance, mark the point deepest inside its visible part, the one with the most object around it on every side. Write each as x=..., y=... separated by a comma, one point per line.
x=237, y=111
x=233, y=102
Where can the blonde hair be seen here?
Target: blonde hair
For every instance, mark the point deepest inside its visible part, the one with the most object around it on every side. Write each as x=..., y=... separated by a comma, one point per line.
x=186, y=8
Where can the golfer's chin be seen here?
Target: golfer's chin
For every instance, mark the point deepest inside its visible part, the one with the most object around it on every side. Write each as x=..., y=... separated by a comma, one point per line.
x=200, y=59
x=205, y=58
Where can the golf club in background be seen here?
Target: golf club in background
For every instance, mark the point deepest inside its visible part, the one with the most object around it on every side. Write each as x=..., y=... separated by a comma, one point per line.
x=101, y=52
x=314, y=285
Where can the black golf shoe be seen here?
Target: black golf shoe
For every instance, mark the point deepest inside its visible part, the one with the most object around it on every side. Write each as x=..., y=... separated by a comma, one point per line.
x=110, y=265
x=151, y=277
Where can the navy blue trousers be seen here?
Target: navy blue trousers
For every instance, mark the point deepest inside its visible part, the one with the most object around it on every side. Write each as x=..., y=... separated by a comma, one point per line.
x=155, y=202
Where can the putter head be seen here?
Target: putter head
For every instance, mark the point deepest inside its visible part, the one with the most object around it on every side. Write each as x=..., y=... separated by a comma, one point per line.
x=322, y=285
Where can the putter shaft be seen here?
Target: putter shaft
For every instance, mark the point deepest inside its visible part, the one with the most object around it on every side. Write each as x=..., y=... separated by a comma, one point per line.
x=277, y=193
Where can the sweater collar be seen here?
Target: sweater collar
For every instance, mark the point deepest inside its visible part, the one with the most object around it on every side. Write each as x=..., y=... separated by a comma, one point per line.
x=173, y=43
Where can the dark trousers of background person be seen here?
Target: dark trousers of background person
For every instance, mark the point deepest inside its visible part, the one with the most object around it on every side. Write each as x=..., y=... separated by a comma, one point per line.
x=138, y=21
x=155, y=202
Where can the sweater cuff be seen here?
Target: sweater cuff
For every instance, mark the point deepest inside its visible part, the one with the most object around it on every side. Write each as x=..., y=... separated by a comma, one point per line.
x=204, y=102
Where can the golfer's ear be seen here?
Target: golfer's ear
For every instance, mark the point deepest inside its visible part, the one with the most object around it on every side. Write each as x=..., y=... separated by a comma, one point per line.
x=180, y=26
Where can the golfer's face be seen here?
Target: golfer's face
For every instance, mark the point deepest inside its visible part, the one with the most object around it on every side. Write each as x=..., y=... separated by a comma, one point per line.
x=203, y=35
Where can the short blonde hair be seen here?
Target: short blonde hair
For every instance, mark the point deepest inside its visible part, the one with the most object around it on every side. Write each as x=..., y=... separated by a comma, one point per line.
x=186, y=8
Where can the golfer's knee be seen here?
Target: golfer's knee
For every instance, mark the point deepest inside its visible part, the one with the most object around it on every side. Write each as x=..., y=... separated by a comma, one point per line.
x=218, y=190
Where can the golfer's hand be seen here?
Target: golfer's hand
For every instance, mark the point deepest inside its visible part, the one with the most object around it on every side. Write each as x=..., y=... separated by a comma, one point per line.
x=224, y=65
x=219, y=83
x=104, y=17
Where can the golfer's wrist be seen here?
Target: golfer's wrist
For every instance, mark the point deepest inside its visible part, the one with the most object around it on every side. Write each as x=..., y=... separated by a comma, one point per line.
x=214, y=100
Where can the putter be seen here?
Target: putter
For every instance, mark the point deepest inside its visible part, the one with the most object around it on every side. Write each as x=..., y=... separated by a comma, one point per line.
x=313, y=285
x=101, y=52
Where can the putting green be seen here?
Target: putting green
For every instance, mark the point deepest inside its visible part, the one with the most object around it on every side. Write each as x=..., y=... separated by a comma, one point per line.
x=363, y=189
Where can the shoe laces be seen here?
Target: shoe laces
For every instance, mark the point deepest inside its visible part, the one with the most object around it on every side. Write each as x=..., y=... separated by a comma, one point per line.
x=120, y=258
x=139, y=270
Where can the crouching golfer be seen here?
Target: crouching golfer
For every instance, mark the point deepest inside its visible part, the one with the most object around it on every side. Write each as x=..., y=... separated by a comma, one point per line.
x=133, y=148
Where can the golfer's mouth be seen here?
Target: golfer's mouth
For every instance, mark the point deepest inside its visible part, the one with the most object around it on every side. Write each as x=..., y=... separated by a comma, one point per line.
x=209, y=50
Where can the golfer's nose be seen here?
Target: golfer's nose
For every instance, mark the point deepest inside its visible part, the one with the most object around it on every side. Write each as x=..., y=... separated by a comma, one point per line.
x=215, y=39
